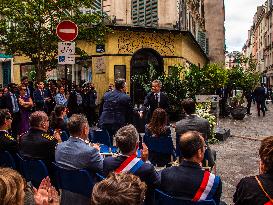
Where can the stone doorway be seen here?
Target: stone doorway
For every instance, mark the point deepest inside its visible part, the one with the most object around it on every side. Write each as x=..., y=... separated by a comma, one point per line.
x=141, y=61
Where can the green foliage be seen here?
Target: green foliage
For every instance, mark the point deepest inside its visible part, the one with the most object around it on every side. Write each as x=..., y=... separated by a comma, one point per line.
x=146, y=78
x=175, y=87
x=29, y=28
x=237, y=100
x=205, y=80
x=243, y=79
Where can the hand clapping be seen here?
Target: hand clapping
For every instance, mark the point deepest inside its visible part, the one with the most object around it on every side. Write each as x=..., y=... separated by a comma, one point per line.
x=46, y=194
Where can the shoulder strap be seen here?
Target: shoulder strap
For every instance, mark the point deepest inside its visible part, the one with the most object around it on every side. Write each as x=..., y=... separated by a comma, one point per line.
x=262, y=188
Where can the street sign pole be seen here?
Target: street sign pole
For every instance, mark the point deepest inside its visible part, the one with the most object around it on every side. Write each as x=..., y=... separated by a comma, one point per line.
x=67, y=31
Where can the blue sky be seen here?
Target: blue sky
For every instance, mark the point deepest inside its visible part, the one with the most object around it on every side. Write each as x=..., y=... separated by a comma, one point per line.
x=239, y=18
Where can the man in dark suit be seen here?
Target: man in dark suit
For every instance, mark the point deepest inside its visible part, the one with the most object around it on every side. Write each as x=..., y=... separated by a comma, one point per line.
x=189, y=180
x=154, y=99
x=7, y=142
x=117, y=108
x=260, y=97
x=10, y=102
x=37, y=143
x=192, y=122
x=38, y=97
x=127, y=161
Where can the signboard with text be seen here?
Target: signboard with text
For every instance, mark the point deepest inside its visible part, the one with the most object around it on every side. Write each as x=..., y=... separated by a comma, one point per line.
x=66, y=53
x=207, y=98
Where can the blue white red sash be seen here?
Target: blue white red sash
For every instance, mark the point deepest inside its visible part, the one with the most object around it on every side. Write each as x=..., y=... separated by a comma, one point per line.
x=268, y=203
x=207, y=188
x=131, y=165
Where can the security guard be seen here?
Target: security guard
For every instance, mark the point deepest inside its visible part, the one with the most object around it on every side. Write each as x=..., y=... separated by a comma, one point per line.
x=7, y=142
x=37, y=143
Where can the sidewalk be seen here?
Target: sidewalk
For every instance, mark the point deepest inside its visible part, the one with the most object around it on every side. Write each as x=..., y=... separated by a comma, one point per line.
x=238, y=156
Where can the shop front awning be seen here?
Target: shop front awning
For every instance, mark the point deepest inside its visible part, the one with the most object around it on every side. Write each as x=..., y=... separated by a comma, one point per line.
x=4, y=57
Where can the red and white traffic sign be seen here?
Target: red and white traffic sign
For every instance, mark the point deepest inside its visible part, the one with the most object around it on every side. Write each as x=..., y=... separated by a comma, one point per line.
x=67, y=30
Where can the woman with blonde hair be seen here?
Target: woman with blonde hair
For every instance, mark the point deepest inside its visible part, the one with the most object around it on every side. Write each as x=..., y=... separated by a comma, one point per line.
x=13, y=190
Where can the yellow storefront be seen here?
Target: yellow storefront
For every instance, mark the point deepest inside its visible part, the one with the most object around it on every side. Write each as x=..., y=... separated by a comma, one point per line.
x=124, y=44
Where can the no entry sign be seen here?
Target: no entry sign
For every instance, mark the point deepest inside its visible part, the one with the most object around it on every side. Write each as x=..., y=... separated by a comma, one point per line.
x=67, y=30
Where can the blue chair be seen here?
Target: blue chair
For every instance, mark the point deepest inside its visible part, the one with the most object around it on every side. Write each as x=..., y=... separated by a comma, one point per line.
x=102, y=137
x=22, y=167
x=36, y=171
x=76, y=181
x=161, y=149
x=6, y=160
x=162, y=198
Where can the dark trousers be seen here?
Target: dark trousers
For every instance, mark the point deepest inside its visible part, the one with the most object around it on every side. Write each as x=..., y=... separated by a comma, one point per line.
x=90, y=113
x=261, y=106
x=15, y=124
x=248, y=106
x=111, y=129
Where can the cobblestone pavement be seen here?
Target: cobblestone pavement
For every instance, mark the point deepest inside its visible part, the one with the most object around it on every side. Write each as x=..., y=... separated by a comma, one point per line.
x=238, y=157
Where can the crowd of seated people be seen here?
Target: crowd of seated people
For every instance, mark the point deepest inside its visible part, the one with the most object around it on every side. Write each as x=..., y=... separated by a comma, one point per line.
x=128, y=178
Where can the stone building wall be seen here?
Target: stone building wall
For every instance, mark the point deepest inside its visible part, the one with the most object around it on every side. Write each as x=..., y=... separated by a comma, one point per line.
x=214, y=23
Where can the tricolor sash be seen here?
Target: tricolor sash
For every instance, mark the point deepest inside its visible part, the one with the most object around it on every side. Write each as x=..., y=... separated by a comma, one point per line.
x=268, y=203
x=207, y=188
x=131, y=165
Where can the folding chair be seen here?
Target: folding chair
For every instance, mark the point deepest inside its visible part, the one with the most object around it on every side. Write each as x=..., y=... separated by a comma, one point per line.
x=76, y=181
x=162, y=198
x=36, y=171
x=6, y=160
x=161, y=146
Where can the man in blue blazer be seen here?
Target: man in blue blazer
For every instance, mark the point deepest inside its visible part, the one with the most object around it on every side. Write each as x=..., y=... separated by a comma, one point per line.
x=77, y=153
x=117, y=108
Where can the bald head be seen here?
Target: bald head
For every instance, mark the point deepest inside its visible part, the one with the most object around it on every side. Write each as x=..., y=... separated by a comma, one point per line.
x=190, y=142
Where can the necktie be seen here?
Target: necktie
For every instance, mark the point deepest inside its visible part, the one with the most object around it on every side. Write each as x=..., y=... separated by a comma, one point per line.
x=156, y=99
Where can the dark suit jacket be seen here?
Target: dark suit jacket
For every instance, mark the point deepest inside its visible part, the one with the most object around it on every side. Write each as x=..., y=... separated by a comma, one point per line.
x=146, y=172
x=248, y=191
x=117, y=109
x=193, y=123
x=184, y=181
x=7, y=102
x=7, y=142
x=39, y=99
x=37, y=144
x=150, y=104
x=259, y=94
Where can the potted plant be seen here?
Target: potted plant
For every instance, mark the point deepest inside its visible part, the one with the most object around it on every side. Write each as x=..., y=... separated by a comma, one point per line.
x=238, y=111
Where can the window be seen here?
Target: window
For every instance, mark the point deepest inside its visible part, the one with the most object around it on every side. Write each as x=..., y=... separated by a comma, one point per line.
x=145, y=13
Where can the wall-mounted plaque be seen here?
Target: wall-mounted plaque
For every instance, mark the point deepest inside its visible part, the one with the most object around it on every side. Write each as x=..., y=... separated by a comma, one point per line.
x=100, y=66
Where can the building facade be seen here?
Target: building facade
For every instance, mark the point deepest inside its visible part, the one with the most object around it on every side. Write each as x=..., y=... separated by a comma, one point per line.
x=215, y=19
x=259, y=44
x=145, y=32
